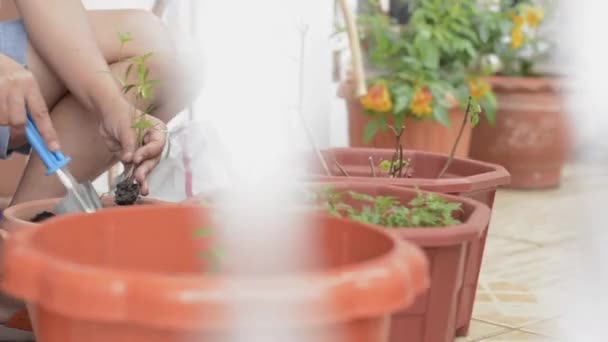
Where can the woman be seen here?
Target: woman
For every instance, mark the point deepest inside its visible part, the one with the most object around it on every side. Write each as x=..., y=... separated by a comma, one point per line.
x=55, y=58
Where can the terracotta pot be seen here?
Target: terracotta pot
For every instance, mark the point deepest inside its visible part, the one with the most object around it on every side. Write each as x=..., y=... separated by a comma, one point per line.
x=530, y=136
x=423, y=135
x=89, y=283
x=18, y=217
x=465, y=177
x=433, y=317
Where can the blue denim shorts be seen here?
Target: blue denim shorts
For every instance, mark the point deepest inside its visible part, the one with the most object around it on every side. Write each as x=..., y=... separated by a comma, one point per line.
x=13, y=43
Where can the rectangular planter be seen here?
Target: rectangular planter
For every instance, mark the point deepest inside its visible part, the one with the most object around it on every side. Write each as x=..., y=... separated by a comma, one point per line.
x=432, y=318
x=465, y=177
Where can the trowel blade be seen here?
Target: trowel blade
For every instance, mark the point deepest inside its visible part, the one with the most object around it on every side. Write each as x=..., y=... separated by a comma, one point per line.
x=71, y=204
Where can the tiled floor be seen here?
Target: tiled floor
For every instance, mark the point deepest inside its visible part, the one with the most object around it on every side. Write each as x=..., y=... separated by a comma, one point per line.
x=524, y=264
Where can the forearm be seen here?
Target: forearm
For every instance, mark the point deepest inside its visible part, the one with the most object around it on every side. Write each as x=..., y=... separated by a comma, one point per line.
x=64, y=38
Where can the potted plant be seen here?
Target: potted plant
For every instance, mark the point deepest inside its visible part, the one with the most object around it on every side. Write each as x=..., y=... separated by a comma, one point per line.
x=530, y=134
x=446, y=227
x=420, y=76
x=70, y=275
x=427, y=171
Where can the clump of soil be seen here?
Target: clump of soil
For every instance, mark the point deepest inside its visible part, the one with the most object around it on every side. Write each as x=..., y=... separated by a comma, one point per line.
x=43, y=216
x=126, y=193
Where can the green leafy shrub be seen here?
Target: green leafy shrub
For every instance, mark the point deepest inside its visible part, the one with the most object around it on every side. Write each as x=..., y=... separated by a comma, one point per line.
x=425, y=210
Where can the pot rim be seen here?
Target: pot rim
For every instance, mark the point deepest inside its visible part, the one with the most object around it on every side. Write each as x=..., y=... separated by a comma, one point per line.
x=15, y=213
x=61, y=286
x=494, y=177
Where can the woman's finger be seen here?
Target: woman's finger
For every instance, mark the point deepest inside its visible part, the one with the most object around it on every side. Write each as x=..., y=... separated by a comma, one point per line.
x=155, y=143
x=16, y=109
x=142, y=172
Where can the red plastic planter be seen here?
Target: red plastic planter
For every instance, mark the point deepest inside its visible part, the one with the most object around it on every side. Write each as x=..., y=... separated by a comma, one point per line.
x=135, y=274
x=433, y=317
x=18, y=217
x=465, y=177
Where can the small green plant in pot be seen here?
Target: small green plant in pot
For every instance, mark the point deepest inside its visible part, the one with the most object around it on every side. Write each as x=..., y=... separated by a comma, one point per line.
x=425, y=210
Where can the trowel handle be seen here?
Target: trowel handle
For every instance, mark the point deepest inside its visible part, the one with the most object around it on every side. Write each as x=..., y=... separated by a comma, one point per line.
x=52, y=160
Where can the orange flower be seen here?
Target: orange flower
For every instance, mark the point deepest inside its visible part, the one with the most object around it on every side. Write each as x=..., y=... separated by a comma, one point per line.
x=517, y=38
x=517, y=20
x=478, y=88
x=534, y=15
x=378, y=98
x=421, y=103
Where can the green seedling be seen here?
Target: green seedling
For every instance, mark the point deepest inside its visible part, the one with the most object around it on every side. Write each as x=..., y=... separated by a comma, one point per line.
x=142, y=88
x=425, y=210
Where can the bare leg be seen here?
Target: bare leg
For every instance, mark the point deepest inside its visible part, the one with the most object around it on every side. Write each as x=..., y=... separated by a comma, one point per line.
x=77, y=129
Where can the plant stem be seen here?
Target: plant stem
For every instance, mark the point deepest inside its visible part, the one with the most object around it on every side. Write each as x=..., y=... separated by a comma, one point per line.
x=371, y=165
x=451, y=157
x=395, y=170
x=400, y=160
x=341, y=169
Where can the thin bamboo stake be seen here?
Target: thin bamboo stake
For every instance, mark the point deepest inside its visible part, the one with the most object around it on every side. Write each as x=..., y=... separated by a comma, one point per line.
x=341, y=169
x=355, y=49
x=371, y=165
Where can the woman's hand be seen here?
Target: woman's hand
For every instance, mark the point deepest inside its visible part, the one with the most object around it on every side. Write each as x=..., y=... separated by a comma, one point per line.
x=117, y=130
x=18, y=90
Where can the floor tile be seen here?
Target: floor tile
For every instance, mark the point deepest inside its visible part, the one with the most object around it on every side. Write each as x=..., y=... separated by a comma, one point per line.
x=479, y=330
x=517, y=336
x=549, y=328
x=541, y=218
x=498, y=249
x=540, y=268
x=509, y=303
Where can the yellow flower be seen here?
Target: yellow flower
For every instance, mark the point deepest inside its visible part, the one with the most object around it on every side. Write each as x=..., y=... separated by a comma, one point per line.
x=518, y=20
x=421, y=103
x=534, y=15
x=517, y=38
x=478, y=88
x=378, y=98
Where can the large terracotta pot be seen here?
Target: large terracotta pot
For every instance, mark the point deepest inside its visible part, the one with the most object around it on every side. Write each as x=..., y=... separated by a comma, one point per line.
x=433, y=318
x=135, y=274
x=465, y=177
x=530, y=137
x=424, y=135
x=18, y=217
